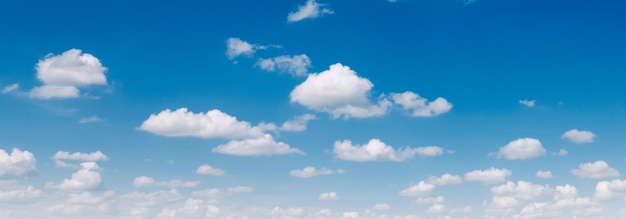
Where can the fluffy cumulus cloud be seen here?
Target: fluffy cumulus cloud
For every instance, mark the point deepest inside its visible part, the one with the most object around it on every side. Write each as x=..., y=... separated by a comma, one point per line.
x=579, y=137
x=419, y=106
x=488, y=176
x=606, y=190
x=420, y=189
x=522, y=149
x=445, y=179
x=87, y=177
x=528, y=103
x=311, y=9
x=308, y=172
x=296, y=65
x=62, y=75
x=206, y=169
x=212, y=124
x=18, y=164
x=236, y=47
x=262, y=146
x=595, y=170
x=522, y=190
x=376, y=150
x=340, y=92
x=328, y=196
x=144, y=181
x=20, y=193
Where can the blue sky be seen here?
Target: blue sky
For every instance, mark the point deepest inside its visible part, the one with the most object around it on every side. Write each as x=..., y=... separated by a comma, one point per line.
x=312, y=109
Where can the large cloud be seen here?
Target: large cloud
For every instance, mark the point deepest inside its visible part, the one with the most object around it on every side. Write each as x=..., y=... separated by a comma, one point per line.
x=18, y=164
x=376, y=150
x=595, y=170
x=311, y=9
x=262, y=146
x=63, y=75
x=419, y=106
x=522, y=149
x=488, y=176
x=212, y=124
x=579, y=137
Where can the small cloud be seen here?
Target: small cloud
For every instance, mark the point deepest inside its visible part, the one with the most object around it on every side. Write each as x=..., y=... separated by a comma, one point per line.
x=421, y=189
x=94, y=156
x=522, y=149
x=90, y=119
x=263, y=146
x=297, y=124
x=329, y=196
x=17, y=164
x=11, y=88
x=381, y=207
x=445, y=179
x=488, y=176
x=528, y=103
x=311, y=9
x=240, y=189
x=236, y=47
x=579, y=137
x=419, y=106
x=86, y=178
x=562, y=152
x=308, y=172
x=595, y=170
x=295, y=65
x=544, y=174
x=376, y=150
x=144, y=181
x=206, y=169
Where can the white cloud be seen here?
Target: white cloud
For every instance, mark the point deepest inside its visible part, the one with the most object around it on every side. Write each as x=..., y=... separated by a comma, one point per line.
x=213, y=124
x=18, y=164
x=579, y=137
x=263, y=146
x=95, y=156
x=420, y=189
x=544, y=174
x=10, y=88
x=562, y=152
x=419, y=106
x=596, y=170
x=340, y=92
x=488, y=176
x=328, y=196
x=436, y=208
x=144, y=181
x=90, y=119
x=308, y=172
x=528, y=103
x=351, y=214
x=209, y=193
x=297, y=124
x=237, y=47
x=430, y=200
x=296, y=65
x=89, y=198
x=522, y=149
x=522, y=190
x=606, y=190
x=206, y=169
x=63, y=74
x=19, y=194
x=381, y=207
x=240, y=189
x=311, y=9
x=376, y=150
x=88, y=177
x=445, y=179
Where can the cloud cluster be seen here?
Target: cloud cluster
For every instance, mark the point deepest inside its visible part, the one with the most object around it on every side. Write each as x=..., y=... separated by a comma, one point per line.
x=18, y=164
x=376, y=150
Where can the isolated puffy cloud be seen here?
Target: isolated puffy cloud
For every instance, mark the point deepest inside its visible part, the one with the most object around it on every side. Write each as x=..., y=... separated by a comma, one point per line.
x=579, y=137
x=328, y=196
x=94, y=156
x=522, y=149
x=544, y=174
x=236, y=47
x=606, y=190
x=376, y=150
x=419, y=106
x=309, y=171
x=420, y=189
x=206, y=169
x=144, y=181
x=340, y=92
x=522, y=190
x=445, y=179
x=18, y=164
x=297, y=124
x=87, y=177
x=311, y=9
x=63, y=74
x=595, y=170
x=488, y=176
x=528, y=103
x=17, y=194
x=262, y=146
x=212, y=124
x=296, y=65
x=10, y=88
